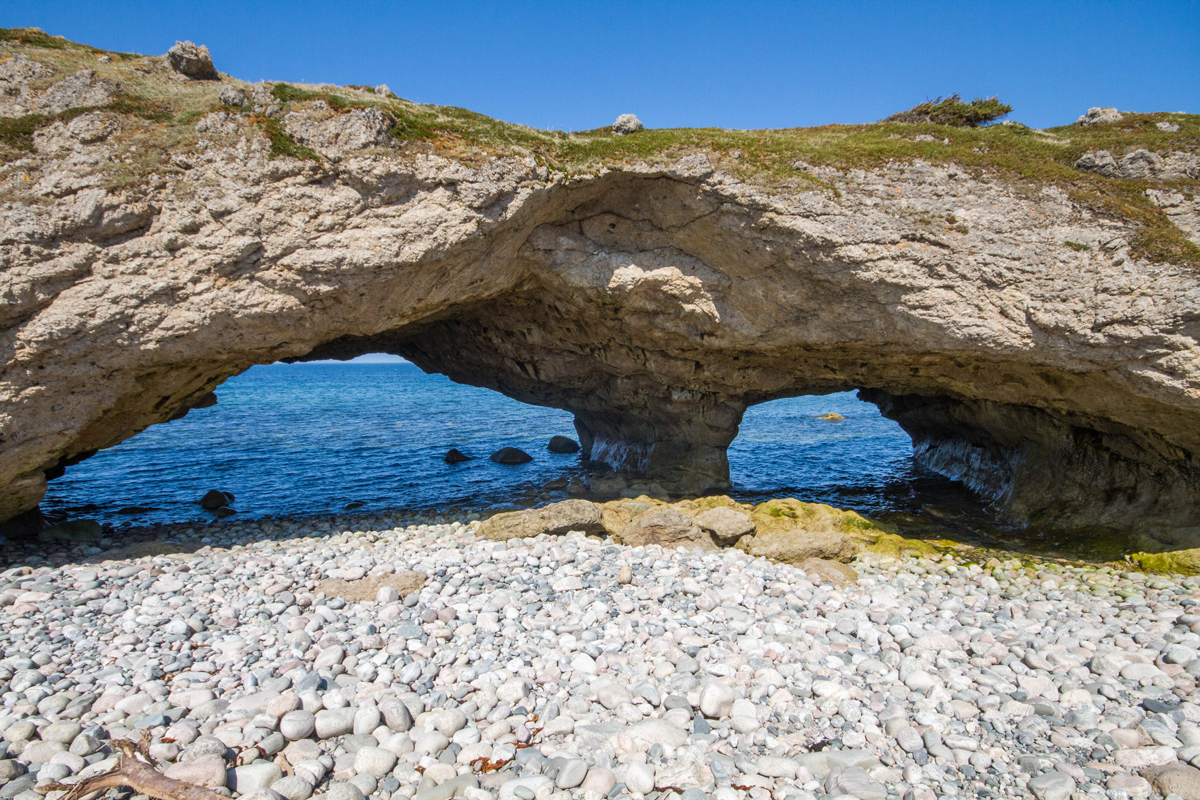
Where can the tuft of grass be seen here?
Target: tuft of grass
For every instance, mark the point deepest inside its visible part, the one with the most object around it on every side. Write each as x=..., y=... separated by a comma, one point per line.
x=1076, y=246
x=954, y=112
x=286, y=93
x=282, y=144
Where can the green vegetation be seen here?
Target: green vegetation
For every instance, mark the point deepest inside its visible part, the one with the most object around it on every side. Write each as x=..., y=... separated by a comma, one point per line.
x=947, y=131
x=282, y=144
x=36, y=37
x=954, y=112
x=1076, y=246
x=33, y=37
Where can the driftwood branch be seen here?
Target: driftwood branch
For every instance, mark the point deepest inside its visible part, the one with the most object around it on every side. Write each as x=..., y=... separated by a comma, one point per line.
x=136, y=770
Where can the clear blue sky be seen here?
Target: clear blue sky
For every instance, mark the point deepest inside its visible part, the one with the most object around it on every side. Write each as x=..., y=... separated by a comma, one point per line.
x=575, y=65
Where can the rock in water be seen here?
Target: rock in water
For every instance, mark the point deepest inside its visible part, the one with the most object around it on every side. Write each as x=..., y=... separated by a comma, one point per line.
x=456, y=456
x=214, y=499
x=192, y=60
x=555, y=519
x=561, y=444
x=832, y=416
x=510, y=456
x=668, y=528
x=626, y=124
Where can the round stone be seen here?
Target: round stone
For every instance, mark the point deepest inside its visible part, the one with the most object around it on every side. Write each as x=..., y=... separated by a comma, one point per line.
x=298, y=725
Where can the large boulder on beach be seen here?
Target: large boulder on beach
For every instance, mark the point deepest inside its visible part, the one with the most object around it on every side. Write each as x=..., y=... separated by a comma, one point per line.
x=726, y=525
x=666, y=527
x=793, y=545
x=554, y=519
x=511, y=456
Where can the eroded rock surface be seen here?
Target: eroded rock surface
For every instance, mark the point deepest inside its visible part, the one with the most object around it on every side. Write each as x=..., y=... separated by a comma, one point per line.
x=655, y=301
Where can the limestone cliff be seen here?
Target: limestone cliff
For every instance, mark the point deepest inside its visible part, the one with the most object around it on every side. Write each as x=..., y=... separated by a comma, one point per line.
x=1032, y=324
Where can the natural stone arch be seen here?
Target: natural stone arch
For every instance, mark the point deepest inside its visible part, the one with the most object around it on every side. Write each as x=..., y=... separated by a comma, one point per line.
x=655, y=302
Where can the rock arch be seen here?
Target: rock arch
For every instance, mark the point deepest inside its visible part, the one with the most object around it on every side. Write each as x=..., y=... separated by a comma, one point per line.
x=656, y=302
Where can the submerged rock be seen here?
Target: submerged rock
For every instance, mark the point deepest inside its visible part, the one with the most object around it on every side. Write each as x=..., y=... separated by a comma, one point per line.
x=215, y=498
x=511, y=456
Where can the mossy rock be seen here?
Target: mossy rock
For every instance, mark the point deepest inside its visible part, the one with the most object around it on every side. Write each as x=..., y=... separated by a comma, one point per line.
x=788, y=513
x=890, y=544
x=1182, y=562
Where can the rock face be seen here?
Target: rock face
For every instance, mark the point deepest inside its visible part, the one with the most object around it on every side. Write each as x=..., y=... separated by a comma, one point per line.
x=655, y=301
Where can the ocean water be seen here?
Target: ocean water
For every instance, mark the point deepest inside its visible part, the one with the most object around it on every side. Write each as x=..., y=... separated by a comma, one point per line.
x=308, y=439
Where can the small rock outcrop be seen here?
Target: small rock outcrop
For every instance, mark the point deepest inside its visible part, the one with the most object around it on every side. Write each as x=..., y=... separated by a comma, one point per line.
x=230, y=96
x=192, y=61
x=333, y=134
x=455, y=456
x=626, y=124
x=1099, y=116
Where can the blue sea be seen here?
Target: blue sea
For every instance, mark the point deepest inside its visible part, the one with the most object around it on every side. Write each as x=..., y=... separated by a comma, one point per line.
x=308, y=439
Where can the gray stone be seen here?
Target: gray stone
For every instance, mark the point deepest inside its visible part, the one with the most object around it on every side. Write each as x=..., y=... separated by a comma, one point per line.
x=571, y=774
x=205, y=770
x=1052, y=786
x=330, y=723
x=253, y=777
x=374, y=761
x=626, y=124
x=293, y=787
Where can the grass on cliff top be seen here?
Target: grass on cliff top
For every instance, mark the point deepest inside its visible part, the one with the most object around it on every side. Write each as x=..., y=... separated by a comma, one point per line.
x=773, y=158
x=954, y=112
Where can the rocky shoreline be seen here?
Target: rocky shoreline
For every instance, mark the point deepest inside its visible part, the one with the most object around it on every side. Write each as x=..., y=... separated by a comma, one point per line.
x=298, y=658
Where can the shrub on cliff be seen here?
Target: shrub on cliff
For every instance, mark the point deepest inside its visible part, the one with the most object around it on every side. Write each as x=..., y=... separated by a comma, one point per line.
x=953, y=111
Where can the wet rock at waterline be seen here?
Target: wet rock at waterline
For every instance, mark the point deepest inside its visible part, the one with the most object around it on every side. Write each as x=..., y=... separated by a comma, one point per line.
x=561, y=444
x=76, y=530
x=456, y=456
x=511, y=456
x=214, y=499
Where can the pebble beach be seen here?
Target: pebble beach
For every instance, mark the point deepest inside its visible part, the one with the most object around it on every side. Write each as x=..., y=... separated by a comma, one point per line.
x=302, y=659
